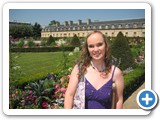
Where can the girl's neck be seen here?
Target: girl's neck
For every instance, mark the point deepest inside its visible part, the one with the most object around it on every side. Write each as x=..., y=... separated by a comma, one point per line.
x=98, y=65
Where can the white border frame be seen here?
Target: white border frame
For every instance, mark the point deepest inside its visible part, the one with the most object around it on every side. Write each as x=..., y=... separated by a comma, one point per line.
x=103, y=5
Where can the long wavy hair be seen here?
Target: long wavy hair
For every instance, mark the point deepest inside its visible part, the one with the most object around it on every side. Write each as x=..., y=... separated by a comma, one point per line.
x=86, y=58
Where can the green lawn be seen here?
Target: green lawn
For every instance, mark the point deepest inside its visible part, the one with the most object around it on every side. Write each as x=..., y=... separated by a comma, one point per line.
x=37, y=65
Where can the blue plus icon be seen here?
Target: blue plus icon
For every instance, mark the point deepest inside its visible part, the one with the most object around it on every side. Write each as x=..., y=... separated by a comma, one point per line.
x=147, y=99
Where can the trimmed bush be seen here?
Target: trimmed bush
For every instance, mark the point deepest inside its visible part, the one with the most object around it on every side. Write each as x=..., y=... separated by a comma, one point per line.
x=121, y=50
x=75, y=41
x=42, y=49
x=133, y=80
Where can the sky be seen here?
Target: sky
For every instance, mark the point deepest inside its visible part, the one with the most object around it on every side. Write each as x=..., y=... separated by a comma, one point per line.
x=44, y=16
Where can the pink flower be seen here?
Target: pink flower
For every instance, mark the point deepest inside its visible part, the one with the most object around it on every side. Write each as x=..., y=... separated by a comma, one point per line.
x=63, y=90
x=57, y=86
x=58, y=90
x=30, y=92
x=45, y=105
x=141, y=57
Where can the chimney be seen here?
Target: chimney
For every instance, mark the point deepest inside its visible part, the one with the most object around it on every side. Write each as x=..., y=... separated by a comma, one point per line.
x=79, y=22
x=65, y=23
x=70, y=23
x=88, y=21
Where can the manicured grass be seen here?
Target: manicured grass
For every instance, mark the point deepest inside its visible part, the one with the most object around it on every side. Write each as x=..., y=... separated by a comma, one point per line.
x=38, y=65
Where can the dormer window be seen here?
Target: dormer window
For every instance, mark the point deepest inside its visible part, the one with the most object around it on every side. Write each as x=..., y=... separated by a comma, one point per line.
x=112, y=26
x=119, y=26
x=106, y=27
x=135, y=26
x=127, y=26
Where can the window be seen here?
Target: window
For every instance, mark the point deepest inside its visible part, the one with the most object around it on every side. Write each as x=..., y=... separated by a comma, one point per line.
x=126, y=33
x=119, y=26
x=106, y=27
x=112, y=26
x=143, y=25
x=100, y=27
x=89, y=27
x=127, y=26
x=134, y=34
x=135, y=26
x=94, y=27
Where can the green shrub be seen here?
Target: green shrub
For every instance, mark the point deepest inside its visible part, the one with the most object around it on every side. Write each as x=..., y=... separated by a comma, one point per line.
x=75, y=41
x=43, y=43
x=50, y=41
x=42, y=49
x=133, y=80
x=121, y=50
x=30, y=43
x=20, y=43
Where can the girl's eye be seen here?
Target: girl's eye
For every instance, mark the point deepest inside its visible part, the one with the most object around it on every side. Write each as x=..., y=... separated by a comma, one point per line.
x=99, y=44
x=90, y=46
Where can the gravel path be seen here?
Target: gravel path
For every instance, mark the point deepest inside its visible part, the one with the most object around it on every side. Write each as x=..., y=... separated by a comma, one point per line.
x=131, y=102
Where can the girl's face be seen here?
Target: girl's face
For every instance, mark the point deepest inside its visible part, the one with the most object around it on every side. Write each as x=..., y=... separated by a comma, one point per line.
x=96, y=46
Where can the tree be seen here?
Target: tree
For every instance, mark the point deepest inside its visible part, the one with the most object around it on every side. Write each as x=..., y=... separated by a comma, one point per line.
x=51, y=40
x=20, y=31
x=75, y=41
x=37, y=31
x=121, y=50
x=54, y=22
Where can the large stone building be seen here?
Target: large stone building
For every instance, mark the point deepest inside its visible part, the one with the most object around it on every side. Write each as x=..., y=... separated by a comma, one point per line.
x=129, y=27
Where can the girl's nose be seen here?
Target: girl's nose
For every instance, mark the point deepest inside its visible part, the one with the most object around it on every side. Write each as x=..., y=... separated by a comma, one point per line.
x=96, y=48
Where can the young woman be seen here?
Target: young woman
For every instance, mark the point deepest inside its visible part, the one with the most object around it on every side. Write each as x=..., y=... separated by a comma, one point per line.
x=90, y=85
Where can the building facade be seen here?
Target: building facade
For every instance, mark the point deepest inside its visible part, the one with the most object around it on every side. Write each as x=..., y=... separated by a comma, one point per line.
x=129, y=27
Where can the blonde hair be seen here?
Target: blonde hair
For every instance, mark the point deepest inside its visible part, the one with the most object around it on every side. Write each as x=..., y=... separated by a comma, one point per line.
x=86, y=58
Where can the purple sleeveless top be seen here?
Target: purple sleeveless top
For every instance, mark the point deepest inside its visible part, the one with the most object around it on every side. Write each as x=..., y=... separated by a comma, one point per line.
x=98, y=99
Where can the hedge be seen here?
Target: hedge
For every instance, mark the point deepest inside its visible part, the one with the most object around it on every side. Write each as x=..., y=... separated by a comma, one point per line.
x=42, y=49
x=133, y=80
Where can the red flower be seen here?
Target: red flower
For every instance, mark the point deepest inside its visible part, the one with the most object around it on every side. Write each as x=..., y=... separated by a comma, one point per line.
x=45, y=105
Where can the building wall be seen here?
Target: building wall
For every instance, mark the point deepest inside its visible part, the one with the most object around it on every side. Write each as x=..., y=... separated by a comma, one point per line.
x=130, y=28
x=110, y=33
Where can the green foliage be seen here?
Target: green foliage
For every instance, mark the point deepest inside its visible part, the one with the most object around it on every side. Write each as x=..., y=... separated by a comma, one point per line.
x=54, y=22
x=121, y=50
x=20, y=43
x=135, y=52
x=30, y=43
x=133, y=80
x=36, y=31
x=42, y=49
x=50, y=41
x=20, y=31
x=25, y=31
x=75, y=41
x=43, y=43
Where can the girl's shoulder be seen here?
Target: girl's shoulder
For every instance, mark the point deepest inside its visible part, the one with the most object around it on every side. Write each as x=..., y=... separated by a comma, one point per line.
x=116, y=70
